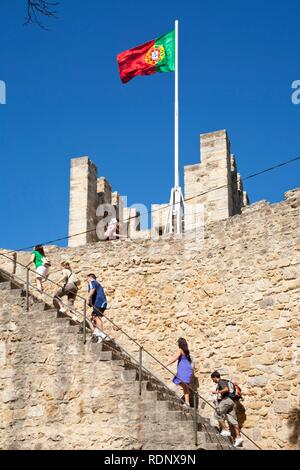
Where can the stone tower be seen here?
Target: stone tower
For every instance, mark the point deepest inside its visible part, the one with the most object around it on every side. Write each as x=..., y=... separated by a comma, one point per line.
x=87, y=194
x=83, y=201
x=217, y=170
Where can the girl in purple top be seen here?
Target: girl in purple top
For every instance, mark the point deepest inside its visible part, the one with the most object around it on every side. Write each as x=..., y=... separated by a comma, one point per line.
x=184, y=368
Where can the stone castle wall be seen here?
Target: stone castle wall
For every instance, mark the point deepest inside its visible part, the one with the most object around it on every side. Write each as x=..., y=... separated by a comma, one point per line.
x=235, y=299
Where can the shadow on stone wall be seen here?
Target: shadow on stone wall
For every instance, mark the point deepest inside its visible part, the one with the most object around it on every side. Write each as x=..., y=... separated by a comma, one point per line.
x=241, y=417
x=294, y=425
x=195, y=386
x=241, y=414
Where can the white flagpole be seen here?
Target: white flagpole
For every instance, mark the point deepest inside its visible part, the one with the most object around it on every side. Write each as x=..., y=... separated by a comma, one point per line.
x=176, y=108
x=174, y=220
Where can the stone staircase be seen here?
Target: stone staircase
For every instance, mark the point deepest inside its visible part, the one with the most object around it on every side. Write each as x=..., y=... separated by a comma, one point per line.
x=166, y=424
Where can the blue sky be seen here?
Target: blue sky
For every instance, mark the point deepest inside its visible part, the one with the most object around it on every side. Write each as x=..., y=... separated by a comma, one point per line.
x=238, y=60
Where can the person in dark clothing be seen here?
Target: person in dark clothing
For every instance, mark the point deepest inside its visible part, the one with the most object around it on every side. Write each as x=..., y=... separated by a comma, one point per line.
x=97, y=300
x=226, y=409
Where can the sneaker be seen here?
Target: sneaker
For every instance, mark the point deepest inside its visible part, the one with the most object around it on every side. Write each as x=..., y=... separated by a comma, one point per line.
x=225, y=433
x=96, y=333
x=63, y=310
x=186, y=406
x=238, y=442
x=102, y=335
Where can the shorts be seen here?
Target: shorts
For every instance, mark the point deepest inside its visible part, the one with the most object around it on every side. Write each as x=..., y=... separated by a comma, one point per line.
x=226, y=408
x=41, y=272
x=69, y=289
x=98, y=311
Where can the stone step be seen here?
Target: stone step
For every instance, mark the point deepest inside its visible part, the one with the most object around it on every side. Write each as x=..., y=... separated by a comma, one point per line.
x=209, y=446
x=156, y=386
x=62, y=321
x=214, y=435
x=3, y=278
x=5, y=285
x=183, y=427
x=16, y=292
x=204, y=424
x=9, y=284
x=121, y=363
x=202, y=438
x=41, y=306
x=68, y=319
x=61, y=315
x=155, y=395
x=177, y=416
x=106, y=356
x=109, y=356
x=77, y=323
x=110, y=345
x=130, y=375
x=159, y=406
x=118, y=364
x=151, y=411
x=161, y=388
x=168, y=438
x=165, y=394
x=212, y=438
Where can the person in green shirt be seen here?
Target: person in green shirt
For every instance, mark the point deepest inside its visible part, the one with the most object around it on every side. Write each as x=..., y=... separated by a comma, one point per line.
x=41, y=266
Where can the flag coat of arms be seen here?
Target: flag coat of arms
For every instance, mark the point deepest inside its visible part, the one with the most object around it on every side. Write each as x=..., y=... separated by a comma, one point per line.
x=154, y=56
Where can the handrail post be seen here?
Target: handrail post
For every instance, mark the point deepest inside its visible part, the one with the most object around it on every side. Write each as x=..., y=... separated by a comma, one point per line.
x=27, y=289
x=14, y=263
x=84, y=321
x=140, y=370
x=195, y=419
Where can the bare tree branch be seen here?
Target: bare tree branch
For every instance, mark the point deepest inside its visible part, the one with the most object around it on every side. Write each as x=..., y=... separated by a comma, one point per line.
x=38, y=8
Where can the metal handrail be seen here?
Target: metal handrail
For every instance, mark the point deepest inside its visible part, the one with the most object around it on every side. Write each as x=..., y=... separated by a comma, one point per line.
x=27, y=285
x=195, y=393
x=77, y=295
x=18, y=278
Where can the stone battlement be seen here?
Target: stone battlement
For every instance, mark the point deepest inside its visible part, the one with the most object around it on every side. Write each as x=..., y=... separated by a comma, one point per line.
x=214, y=183
x=88, y=192
x=217, y=170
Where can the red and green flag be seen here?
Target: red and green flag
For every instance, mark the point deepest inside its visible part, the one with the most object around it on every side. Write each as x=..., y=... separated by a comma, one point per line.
x=154, y=56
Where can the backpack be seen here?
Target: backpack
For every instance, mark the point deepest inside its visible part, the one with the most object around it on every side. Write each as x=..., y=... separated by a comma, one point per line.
x=46, y=262
x=75, y=279
x=235, y=392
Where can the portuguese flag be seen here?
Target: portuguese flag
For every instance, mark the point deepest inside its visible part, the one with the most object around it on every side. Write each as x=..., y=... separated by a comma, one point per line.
x=154, y=56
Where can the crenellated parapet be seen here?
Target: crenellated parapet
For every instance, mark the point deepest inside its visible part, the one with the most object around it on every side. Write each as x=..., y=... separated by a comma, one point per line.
x=212, y=186
x=91, y=201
